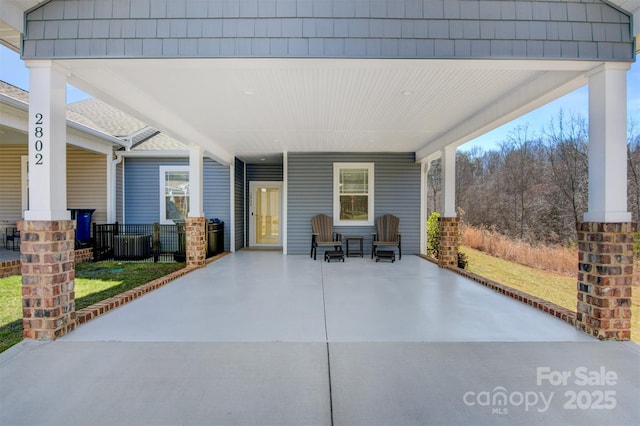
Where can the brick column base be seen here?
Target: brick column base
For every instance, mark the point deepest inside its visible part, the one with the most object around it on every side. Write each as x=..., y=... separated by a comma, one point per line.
x=48, y=298
x=449, y=240
x=604, y=279
x=195, y=229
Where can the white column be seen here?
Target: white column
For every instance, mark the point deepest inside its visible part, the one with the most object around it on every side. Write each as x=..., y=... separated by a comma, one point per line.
x=449, y=182
x=47, y=143
x=285, y=201
x=608, y=144
x=424, y=172
x=195, y=181
x=232, y=203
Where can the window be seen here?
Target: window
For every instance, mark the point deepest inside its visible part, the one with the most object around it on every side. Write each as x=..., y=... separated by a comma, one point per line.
x=174, y=193
x=353, y=194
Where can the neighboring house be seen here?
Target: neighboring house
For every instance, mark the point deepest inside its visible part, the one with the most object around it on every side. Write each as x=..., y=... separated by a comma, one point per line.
x=89, y=152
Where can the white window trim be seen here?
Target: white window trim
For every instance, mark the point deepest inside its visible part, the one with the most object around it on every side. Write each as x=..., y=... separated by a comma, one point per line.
x=336, y=194
x=163, y=205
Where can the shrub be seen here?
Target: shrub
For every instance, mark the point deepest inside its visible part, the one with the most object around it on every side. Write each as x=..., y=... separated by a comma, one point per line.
x=433, y=235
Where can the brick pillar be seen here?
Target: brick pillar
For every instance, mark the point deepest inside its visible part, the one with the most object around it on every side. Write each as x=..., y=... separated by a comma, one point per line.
x=196, y=241
x=449, y=240
x=604, y=279
x=48, y=298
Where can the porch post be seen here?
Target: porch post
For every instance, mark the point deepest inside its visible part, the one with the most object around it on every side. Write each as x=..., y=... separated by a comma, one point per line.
x=424, y=172
x=449, y=222
x=48, y=236
x=605, y=238
x=196, y=241
x=284, y=220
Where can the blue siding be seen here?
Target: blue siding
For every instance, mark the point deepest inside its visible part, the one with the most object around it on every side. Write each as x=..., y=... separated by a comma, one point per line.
x=217, y=198
x=142, y=190
x=396, y=191
x=239, y=202
x=535, y=29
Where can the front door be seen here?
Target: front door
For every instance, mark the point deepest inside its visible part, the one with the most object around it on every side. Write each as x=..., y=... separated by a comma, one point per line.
x=265, y=206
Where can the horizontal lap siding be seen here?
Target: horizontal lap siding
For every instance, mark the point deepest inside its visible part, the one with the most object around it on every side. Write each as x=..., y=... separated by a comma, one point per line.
x=397, y=191
x=239, y=202
x=87, y=182
x=10, y=182
x=217, y=198
x=142, y=190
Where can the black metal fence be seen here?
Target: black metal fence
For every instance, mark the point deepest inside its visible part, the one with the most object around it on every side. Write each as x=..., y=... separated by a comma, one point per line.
x=149, y=242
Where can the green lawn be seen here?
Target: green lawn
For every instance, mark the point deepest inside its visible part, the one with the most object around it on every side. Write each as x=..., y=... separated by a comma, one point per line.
x=556, y=288
x=94, y=282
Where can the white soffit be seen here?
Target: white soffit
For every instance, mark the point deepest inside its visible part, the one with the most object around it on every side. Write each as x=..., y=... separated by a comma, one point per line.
x=248, y=107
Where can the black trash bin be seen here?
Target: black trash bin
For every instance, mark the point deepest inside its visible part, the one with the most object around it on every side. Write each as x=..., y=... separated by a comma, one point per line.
x=83, y=226
x=215, y=237
x=180, y=255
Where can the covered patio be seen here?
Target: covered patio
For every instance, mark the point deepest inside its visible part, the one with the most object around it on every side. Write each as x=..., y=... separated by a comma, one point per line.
x=261, y=338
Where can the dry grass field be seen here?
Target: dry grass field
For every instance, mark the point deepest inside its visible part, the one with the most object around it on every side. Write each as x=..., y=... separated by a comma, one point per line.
x=549, y=273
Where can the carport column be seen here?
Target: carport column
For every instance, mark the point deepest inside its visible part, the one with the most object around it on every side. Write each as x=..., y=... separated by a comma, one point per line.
x=605, y=239
x=48, y=237
x=449, y=222
x=196, y=241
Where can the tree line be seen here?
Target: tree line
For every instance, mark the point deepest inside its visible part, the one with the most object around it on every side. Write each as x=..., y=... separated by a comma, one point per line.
x=532, y=187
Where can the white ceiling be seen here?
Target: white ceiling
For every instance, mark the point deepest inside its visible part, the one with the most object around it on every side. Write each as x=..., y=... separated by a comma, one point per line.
x=252, y=107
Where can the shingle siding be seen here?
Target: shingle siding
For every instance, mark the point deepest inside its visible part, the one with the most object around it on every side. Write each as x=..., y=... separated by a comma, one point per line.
x=142, y=190
x=324, y=28
x=310, y=192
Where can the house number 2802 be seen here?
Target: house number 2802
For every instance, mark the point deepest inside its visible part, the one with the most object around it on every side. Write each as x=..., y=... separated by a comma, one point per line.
x=38, y=132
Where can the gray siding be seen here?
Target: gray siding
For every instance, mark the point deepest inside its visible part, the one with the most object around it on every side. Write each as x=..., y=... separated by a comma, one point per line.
x=239, y=202
x=396, y=186
x=142, y=190
x=217, y=198
x=579, y=29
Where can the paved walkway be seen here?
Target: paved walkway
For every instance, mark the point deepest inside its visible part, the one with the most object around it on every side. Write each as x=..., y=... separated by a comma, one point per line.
x=261, y=338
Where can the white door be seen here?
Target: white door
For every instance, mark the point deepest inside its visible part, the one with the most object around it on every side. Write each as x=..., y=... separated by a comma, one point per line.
x=265, y=207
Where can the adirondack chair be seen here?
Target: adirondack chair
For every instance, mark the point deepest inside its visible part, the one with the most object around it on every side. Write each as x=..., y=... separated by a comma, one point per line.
x=322, y=234
x=387, y=234
x=13, y=235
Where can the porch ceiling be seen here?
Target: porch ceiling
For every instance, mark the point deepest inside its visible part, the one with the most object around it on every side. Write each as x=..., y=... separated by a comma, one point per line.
x=254, y=107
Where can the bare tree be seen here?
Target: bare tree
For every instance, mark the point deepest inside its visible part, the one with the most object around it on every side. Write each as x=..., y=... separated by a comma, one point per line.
x=567, y=147
x=633, y=170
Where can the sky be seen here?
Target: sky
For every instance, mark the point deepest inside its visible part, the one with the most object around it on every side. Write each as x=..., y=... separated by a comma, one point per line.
x=13, y=71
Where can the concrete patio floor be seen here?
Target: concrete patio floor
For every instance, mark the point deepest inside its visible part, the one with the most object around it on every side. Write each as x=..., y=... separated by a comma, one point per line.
x=261, y=338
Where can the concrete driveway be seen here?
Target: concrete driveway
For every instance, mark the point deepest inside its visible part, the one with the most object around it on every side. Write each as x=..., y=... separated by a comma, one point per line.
x=261, y=338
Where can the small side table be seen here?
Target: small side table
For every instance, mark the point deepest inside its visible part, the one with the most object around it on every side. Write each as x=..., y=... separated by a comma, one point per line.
x=354, y=251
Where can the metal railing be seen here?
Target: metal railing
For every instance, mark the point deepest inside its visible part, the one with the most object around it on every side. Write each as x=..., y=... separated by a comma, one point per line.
x=150, y=242
x=145, y=242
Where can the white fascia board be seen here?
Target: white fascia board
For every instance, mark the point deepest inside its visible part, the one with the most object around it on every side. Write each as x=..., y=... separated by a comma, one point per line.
x=88, y=142
x=153, y=154
x=105, y=138
x=12, y=14
x=520, y=102
x=10, y=117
